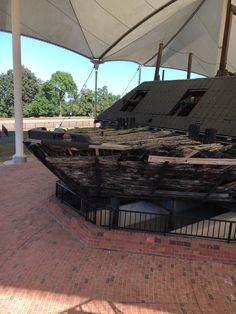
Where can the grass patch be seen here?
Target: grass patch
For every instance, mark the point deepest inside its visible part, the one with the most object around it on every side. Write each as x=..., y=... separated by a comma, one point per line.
x=7, y=146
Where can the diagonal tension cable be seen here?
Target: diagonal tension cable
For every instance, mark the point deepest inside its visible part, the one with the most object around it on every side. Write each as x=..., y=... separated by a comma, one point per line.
x=87, y=80
x=130, y=82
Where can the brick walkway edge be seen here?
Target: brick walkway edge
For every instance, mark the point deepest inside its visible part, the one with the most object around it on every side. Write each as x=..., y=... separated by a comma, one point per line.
x=139, y=242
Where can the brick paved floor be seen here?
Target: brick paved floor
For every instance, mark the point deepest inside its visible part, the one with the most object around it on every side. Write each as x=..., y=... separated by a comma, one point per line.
x=44, y=270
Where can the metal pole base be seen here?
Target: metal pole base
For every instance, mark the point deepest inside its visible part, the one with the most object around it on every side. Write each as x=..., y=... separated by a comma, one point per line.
x=17, y=160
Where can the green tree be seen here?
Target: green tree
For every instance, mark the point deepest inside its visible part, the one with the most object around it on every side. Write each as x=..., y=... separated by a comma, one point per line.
x=56, y=97
x=6, y=94
x=40, y=107
x=65, y=87
x=105, y=99
x=44, y=104
x=85, y=102
x=30, y=88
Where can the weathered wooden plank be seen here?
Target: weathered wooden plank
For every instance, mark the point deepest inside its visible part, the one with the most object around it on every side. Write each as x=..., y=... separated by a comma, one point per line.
x=110, y=146
x=191, y=161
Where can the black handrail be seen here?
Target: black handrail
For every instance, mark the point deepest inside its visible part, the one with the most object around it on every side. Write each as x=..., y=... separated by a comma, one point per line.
x=173, y=224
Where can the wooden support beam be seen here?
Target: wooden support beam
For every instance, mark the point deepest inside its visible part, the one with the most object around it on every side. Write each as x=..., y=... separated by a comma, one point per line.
x=192, y=161
x=189, y=68
x=158, y=64
x=225, y=44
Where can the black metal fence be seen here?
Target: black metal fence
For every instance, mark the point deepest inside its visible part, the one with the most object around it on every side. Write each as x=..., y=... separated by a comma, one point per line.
x=149, y=222
x=79, y=204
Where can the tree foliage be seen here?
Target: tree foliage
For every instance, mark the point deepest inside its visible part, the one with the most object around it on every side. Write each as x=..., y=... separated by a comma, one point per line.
x=6, y=95
x=63, y=83
x=30, y=88
x=59, y=95
x=105, y=99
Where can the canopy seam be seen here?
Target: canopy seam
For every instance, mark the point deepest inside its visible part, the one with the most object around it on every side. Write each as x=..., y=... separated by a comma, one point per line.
x=81, y=29
x=111, y=14
x=136, y=26
x=178, y=31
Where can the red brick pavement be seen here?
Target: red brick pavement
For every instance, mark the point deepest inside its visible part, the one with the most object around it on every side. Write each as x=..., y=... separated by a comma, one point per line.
x=44, y=270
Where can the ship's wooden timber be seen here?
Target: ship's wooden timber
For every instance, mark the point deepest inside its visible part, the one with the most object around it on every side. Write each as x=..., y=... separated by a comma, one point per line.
x=140, y=163
x=162, y=139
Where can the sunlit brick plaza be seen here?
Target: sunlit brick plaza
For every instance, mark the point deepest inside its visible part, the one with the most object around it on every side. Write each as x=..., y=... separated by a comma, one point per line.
x=44, y=269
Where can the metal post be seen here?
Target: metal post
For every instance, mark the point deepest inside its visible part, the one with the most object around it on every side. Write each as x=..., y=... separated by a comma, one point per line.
x=115, y=208
x=87, y=210
x=225, y=44
x=95, y=91
x=158, y=64
x=190, y=57
x=139, y=73
x=110, y=217
x=57, y=188
x=166, y=224
x=62, y=194
x=230, y=230
x=96, y=63
x=163, y=75
x=19, y=156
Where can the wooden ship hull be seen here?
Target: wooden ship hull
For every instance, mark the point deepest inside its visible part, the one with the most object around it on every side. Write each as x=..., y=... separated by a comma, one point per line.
x=138, y=163
x=163, y=139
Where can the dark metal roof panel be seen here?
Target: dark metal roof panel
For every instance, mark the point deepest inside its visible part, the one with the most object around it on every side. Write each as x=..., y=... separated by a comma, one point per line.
x=215, y=109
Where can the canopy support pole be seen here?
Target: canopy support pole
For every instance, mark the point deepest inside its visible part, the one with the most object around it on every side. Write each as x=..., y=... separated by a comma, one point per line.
x=226, y=37
x=96, y=66
x=158, y=64
x=163, y=75
x=189, y=68
x=19, y=156
x=139, y=74
x=96, y=63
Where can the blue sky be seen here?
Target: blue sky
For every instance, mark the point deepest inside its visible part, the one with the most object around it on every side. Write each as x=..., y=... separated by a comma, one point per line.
x=44, y=59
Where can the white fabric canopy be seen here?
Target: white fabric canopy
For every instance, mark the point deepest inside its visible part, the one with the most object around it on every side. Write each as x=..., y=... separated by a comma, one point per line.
x=131, y=30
